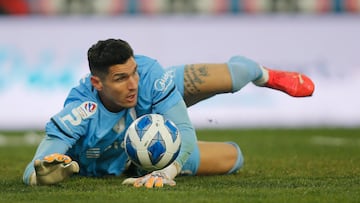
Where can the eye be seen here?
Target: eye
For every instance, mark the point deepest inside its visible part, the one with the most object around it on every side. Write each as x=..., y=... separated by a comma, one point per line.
x=121, y=77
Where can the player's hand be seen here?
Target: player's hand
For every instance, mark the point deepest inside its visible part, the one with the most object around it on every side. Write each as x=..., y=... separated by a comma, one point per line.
x=155, y=179
x=54, y=168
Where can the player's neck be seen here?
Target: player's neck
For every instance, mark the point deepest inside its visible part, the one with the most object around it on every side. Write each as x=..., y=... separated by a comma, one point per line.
x=109, y=105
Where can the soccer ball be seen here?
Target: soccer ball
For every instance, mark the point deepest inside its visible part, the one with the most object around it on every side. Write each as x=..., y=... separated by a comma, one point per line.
x=152, y=142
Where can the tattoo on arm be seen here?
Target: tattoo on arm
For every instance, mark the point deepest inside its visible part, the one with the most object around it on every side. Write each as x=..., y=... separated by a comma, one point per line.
x=193, y=78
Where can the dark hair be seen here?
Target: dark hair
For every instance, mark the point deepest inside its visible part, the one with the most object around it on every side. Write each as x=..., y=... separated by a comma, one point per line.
x=106, y=53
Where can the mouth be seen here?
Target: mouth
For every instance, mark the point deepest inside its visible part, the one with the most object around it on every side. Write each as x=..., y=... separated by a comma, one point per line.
x=131, y=98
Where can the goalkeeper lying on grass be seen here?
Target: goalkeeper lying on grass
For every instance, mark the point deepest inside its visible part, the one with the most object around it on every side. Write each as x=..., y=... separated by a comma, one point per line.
x=86, y=136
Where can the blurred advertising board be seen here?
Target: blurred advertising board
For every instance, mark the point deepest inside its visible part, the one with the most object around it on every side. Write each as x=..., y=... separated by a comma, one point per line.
x=42, y=58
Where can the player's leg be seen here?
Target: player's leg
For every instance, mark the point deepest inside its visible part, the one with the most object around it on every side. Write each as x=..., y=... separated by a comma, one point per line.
x=214, y=158
x=218, y=158
x=200, y=81
x=197, y=82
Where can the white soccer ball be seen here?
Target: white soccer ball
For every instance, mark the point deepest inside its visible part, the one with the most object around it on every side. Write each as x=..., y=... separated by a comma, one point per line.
x=152, y=142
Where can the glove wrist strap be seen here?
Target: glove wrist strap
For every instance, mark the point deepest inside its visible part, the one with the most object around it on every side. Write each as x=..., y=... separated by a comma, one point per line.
x=172, y=170
x=33, y=181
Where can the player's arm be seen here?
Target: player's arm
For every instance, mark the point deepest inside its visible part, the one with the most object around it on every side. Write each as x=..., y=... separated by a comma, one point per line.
x=50, y=165
x=178, y=114
x=168, y=101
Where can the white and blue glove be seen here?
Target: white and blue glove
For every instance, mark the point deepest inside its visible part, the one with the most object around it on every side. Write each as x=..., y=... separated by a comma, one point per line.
x=156, y=178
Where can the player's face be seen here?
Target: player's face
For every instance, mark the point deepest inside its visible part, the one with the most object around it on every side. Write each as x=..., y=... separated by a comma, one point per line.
x=119, y=90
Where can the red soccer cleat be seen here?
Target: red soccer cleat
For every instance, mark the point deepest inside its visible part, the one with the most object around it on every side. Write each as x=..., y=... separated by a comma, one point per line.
x=292, y=83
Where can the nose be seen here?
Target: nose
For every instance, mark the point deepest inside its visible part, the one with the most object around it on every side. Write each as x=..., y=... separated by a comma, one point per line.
x=132, y=82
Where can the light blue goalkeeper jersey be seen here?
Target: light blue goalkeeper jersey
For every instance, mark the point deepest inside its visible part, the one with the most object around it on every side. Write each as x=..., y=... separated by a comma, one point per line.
x=94, y=136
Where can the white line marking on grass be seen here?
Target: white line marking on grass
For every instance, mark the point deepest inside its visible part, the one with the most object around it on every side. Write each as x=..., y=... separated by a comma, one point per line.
x=333, y=141
x=3, y=140
x=29, y=138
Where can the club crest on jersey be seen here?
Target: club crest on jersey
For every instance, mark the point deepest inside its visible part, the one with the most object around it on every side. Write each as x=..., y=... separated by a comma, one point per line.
x=87, y=109
x=164, y=82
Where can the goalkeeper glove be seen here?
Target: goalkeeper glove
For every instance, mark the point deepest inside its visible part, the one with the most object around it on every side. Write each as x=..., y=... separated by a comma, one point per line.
x=53, y=169
x=156, y=178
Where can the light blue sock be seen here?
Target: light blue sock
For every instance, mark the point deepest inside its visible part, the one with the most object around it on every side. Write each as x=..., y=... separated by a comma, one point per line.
x=240, y=159
x=243, y=71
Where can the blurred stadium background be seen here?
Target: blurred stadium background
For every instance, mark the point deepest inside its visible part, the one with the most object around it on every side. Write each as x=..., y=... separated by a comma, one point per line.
x=156, y=7
x=43, y=47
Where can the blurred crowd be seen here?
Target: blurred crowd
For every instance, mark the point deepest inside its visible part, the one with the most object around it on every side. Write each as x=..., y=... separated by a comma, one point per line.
x=212, y=7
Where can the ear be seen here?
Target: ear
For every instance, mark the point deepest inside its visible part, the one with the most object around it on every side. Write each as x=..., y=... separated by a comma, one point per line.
x=96, y=82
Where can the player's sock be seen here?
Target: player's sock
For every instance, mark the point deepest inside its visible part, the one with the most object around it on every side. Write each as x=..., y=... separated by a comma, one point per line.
x=240, y=159
x=243, y=71
x=261, y=81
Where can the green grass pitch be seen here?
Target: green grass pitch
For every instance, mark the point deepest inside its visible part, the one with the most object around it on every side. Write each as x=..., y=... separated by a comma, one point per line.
x=281, y=165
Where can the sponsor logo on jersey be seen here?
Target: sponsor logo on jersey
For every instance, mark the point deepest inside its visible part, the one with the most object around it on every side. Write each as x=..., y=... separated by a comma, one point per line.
x=90, y=107
x=164, y=82
x=87, y=109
